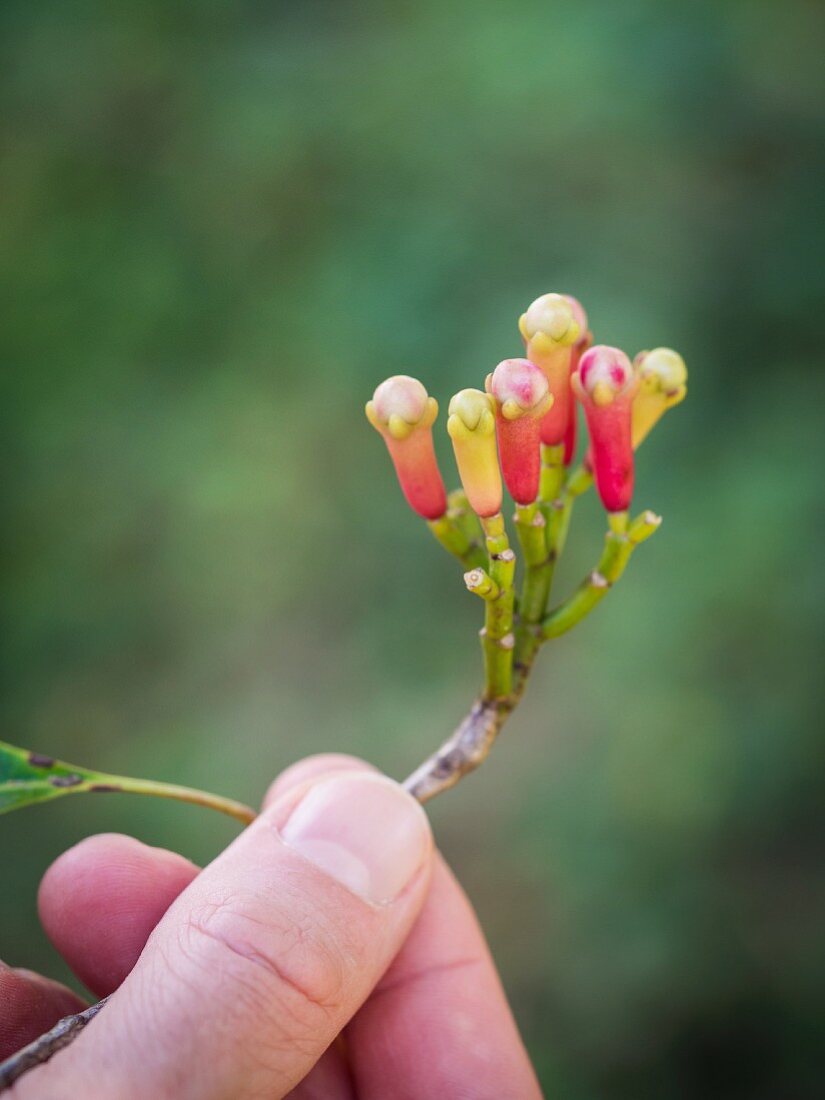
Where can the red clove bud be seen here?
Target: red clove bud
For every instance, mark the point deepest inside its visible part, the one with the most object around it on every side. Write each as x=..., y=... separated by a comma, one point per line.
x=522, y=396
x=404, y=414
x=606, y=385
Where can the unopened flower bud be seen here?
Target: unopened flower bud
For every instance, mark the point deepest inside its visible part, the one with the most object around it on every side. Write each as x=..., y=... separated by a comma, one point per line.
x=553, y=327
x=403, y=413
x=551, y=318
x=472, y=428
x=522, y=396
x=662, y=384
x=606, y=385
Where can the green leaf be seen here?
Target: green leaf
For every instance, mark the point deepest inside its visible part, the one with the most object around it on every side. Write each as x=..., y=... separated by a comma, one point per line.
x=29, y=777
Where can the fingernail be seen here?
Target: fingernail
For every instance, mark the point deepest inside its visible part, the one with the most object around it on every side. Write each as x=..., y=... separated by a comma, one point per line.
x=363, y=830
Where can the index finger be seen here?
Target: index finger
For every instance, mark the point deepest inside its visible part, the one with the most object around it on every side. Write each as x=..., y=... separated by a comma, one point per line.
x=438, y=1024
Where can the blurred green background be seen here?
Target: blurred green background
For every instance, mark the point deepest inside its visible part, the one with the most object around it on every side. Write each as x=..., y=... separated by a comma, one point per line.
x=222, y=225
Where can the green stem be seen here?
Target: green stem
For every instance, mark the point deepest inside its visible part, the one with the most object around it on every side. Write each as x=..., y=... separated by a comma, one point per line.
x=460, y=512
x=497, y=636
x=127, y=785
x=556, y=497
x=577, y=484
x=617, y=551
x=469, y=744
x=557, y=511
x=618, y=521
x=453, y=536
x=531, y=527
x=553, y=476
x=579, y=481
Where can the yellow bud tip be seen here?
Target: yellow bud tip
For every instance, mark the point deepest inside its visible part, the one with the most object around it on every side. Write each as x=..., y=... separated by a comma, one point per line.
x=662, y=370
x=398, y=428
x=542, y=344
x=399, y=405
x=552, y=316
x=473, y=411
x=602, y=393
x=662, y=378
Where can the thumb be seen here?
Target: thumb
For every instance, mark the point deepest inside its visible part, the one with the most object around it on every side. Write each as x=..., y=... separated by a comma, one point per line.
x=264, y=958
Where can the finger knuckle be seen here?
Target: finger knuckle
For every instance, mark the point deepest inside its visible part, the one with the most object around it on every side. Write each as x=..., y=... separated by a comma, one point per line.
x=285, y=967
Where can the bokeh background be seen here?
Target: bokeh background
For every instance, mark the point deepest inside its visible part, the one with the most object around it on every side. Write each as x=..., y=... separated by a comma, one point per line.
x=222, y=225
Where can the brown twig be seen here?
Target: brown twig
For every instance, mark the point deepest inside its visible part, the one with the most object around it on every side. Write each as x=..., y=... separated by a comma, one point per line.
x=41, y=1050
x=469, y=745
x=461, y=753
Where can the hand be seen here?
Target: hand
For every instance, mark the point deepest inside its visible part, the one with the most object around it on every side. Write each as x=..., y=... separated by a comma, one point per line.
x=327, y=954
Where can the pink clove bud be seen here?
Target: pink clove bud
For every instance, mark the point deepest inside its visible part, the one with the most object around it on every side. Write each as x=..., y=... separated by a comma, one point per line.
x=522, y=396
x=606, y=385
x=404, y=414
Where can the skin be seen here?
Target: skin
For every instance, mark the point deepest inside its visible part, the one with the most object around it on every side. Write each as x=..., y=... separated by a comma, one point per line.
x=397, y=1000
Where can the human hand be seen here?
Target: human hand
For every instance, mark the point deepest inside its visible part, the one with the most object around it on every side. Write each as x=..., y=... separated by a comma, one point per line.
x=327, y=954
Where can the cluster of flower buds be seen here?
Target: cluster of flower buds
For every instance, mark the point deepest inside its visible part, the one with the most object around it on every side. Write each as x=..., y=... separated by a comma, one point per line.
x=530, y=403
